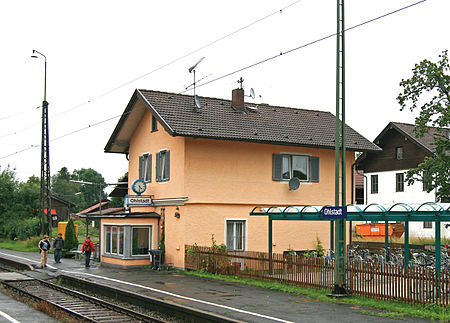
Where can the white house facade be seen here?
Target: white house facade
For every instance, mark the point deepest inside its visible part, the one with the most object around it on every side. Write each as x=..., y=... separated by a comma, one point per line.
x=389, y=187
x=385, y=173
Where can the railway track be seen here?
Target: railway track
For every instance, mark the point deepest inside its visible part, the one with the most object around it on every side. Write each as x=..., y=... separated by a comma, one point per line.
x=75, y=304
x=67, y=296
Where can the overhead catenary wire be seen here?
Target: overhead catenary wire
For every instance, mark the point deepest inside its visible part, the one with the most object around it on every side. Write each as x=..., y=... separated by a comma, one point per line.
x=244, y=68
x=162, y=66
x=303, y=46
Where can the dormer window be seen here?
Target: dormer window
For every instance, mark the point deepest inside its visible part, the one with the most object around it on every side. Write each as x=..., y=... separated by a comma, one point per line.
x=399, y=153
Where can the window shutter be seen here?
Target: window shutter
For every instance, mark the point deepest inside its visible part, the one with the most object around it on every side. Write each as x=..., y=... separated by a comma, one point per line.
x=149, y=168
x=314, y=168
x=141, y=167
x=167, y=165
x=277, y=167
x=158, y=167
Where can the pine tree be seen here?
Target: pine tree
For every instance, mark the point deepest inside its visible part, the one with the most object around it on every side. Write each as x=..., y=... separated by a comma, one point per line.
x=71, y=241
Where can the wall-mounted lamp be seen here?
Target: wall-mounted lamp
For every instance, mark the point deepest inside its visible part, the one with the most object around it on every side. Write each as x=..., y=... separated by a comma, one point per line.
x=177, y=213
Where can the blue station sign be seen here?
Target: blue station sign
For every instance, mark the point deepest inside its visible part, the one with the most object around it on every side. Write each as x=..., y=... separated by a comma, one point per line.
x=334, y=212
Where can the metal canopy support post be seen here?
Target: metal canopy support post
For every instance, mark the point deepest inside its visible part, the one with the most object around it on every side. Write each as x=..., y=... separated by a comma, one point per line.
x=437, y=251
x=406, y=264
x=437, y=247
x=270, y=245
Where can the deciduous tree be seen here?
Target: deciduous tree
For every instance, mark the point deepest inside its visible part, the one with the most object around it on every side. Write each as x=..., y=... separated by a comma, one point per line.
x=429, y=90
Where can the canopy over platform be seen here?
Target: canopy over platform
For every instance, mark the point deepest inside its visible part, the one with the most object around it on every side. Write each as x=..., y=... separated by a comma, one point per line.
x=430, y=211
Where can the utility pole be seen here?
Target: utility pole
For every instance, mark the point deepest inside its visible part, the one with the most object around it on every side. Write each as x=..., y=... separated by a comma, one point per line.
x=340, y=281
x=45, y=195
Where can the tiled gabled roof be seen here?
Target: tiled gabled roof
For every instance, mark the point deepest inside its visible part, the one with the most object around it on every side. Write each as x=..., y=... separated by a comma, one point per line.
x=218, y=120
x=427, y=141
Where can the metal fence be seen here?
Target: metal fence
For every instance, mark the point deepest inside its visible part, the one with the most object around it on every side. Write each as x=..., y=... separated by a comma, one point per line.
x=414, y=285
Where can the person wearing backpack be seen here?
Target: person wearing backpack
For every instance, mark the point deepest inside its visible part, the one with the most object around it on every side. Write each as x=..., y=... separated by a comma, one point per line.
x=44, y=246
x=88, y=247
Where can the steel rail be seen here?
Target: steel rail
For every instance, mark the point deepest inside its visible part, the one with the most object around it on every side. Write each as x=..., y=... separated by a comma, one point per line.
x=75, y=307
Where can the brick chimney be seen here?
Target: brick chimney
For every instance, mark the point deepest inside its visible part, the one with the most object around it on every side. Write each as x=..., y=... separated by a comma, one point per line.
x=237, y=100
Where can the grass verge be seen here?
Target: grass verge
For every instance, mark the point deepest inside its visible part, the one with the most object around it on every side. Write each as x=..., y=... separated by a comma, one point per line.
x=390, y=309
x=28, y=245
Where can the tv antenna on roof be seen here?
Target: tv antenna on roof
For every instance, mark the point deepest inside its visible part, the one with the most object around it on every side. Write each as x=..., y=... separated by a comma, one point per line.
x=192, y=69
x=252, y=92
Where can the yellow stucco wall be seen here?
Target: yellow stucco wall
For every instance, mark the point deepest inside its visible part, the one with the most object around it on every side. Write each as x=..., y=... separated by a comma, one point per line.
x=241, y=173
x=146, y=141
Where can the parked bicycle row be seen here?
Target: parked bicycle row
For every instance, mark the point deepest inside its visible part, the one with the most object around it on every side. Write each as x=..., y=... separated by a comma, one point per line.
x=396, y=256
x=390, y=256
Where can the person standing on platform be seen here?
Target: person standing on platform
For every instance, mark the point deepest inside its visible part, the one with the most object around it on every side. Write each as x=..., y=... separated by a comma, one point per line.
x=88, y=247
x=44, y=246
x=58, y=245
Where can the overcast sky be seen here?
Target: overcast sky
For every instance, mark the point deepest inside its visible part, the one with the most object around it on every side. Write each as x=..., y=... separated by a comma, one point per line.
x=98, y=52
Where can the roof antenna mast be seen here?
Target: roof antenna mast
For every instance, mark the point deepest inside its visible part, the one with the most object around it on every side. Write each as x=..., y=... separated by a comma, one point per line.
x=252, y=92
x=192, y=69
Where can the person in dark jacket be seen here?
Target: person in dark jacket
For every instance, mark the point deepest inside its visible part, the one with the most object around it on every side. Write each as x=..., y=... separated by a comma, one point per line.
x=44, y=247
x=58, y=245
x=88, y=247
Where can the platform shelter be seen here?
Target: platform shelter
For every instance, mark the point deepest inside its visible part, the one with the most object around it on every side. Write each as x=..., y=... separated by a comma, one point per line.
x=402, y=212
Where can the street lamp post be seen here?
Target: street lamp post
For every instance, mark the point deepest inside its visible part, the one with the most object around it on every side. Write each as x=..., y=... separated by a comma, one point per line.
x=45, y=196
x=100, y=186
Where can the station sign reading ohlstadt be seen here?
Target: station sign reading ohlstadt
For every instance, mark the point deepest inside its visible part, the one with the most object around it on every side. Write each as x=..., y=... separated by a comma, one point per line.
x=138, y=200
x=334, y=212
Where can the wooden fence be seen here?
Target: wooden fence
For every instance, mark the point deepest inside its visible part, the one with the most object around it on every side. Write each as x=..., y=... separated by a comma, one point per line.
x=413, y=285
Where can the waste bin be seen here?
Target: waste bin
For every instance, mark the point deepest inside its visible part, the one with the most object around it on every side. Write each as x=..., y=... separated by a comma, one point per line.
x=155, y=258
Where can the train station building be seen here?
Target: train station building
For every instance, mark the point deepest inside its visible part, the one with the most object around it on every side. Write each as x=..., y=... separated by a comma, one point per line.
x=198, y=166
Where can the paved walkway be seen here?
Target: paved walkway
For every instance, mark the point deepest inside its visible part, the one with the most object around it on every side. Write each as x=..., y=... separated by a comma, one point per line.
x=241, y=302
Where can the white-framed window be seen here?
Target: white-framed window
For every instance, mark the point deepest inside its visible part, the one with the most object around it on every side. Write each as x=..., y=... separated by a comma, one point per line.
x=163, y=166
x=287, y=166
x=141, y=240
x=236, y=231
x=145, y=167
x=399, y=182
x=114, y=239
x=373, y=184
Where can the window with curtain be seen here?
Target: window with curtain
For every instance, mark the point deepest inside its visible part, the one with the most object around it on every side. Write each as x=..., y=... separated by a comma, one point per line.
x=114, y=239
x=287, y=166
x=163, y=166
x=145, y=167
x=236, y=234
